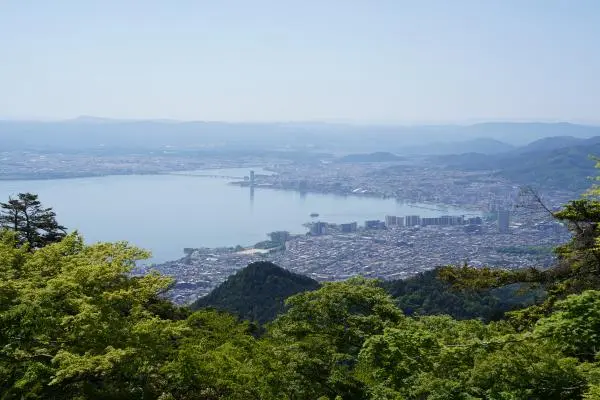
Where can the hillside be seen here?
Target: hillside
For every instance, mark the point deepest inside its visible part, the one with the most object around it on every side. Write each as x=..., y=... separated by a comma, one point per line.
x=550, y=143
x=426, y=294
x=477, y=145
x=521, y=133
x=256, y=292
x=565, y=168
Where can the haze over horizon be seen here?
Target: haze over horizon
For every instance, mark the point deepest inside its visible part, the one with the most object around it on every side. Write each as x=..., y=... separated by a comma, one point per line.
x=394, y=62
x=401, y=124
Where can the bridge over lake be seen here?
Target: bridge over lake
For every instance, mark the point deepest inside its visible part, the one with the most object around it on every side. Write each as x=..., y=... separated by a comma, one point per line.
x=217, y=176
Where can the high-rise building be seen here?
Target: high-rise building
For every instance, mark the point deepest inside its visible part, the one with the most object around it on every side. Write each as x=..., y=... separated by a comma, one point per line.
x=349, y=227
x=318, y=228
x=503, y=221
x=391, y=220
x=302, y=185
x=252, y=178
x=426, y=221
x=413, y=220
x=279, y=236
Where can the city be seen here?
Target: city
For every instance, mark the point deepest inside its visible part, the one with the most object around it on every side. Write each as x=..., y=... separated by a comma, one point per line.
x=393, y=248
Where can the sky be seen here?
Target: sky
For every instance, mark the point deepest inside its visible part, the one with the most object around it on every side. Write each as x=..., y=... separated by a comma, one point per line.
x=367, y=61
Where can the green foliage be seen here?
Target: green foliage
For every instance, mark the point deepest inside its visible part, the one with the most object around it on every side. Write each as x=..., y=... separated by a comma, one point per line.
x=397, y=355
x=74, y=324
x=577, y=270
x=439, y=358
x=575, y=325
x=526, y=370
x=257, y=293
x=326, y=329
x=526, y=250
x=426, y=294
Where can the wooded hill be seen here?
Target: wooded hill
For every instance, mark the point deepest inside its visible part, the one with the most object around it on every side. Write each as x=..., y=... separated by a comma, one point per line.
x=257, y=293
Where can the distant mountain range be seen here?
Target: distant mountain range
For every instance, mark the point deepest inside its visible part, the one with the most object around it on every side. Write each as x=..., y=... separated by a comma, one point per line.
x=542, y=154
x=554, y=142
x=478, y=145
x=91, y=133
x=481, y=146
x=550, y=163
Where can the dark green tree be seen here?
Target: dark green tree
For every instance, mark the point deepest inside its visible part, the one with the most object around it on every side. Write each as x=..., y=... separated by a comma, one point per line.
x=577, y=268
x=322, y=333
x=34, y=224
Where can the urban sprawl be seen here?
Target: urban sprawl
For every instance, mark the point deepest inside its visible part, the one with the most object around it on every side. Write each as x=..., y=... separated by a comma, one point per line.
x=504, y=230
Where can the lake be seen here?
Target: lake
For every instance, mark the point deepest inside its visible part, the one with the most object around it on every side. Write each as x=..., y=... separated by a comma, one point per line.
x=165, y=213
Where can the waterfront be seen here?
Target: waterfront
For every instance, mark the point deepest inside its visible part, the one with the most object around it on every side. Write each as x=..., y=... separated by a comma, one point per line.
x=165, y=213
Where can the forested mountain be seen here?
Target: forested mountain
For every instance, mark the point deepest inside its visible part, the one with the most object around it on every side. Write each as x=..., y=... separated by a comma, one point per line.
x=555, y=142
x=88, y=133
x=477, y=145
x=559, y=168
x=522, y=133
x=256, y=292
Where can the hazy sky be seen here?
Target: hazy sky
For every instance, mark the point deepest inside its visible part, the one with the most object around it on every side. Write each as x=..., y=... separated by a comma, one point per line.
x=248, y=60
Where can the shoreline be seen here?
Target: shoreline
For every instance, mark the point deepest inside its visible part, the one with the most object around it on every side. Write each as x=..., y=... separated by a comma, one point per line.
x=103, y=175
x=408, y=202
x=244, y=184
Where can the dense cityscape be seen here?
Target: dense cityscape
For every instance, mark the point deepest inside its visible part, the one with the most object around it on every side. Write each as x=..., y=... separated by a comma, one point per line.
x=505, y=227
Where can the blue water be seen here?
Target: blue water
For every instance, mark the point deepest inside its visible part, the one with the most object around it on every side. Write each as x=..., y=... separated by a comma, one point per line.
x=165, y=213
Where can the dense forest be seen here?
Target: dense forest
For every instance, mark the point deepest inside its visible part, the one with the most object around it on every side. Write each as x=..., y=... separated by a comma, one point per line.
x=257, y=293
x=75, y=324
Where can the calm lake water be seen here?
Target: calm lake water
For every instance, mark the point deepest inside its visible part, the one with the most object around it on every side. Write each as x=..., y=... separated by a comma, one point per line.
x=165, y=213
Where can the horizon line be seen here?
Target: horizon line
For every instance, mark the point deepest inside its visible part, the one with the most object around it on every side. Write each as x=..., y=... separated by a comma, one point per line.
x=475, y=121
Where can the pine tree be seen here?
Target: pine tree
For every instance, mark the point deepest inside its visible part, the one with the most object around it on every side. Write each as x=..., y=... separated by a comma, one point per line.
x=33, y=223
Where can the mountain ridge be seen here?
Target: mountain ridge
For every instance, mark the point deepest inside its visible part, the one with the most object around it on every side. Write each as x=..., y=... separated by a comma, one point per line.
x=89, y=132
x=566, y=168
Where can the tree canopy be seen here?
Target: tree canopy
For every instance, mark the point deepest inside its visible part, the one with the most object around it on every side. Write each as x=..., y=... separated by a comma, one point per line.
x=75, y=324
x=35, y=225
